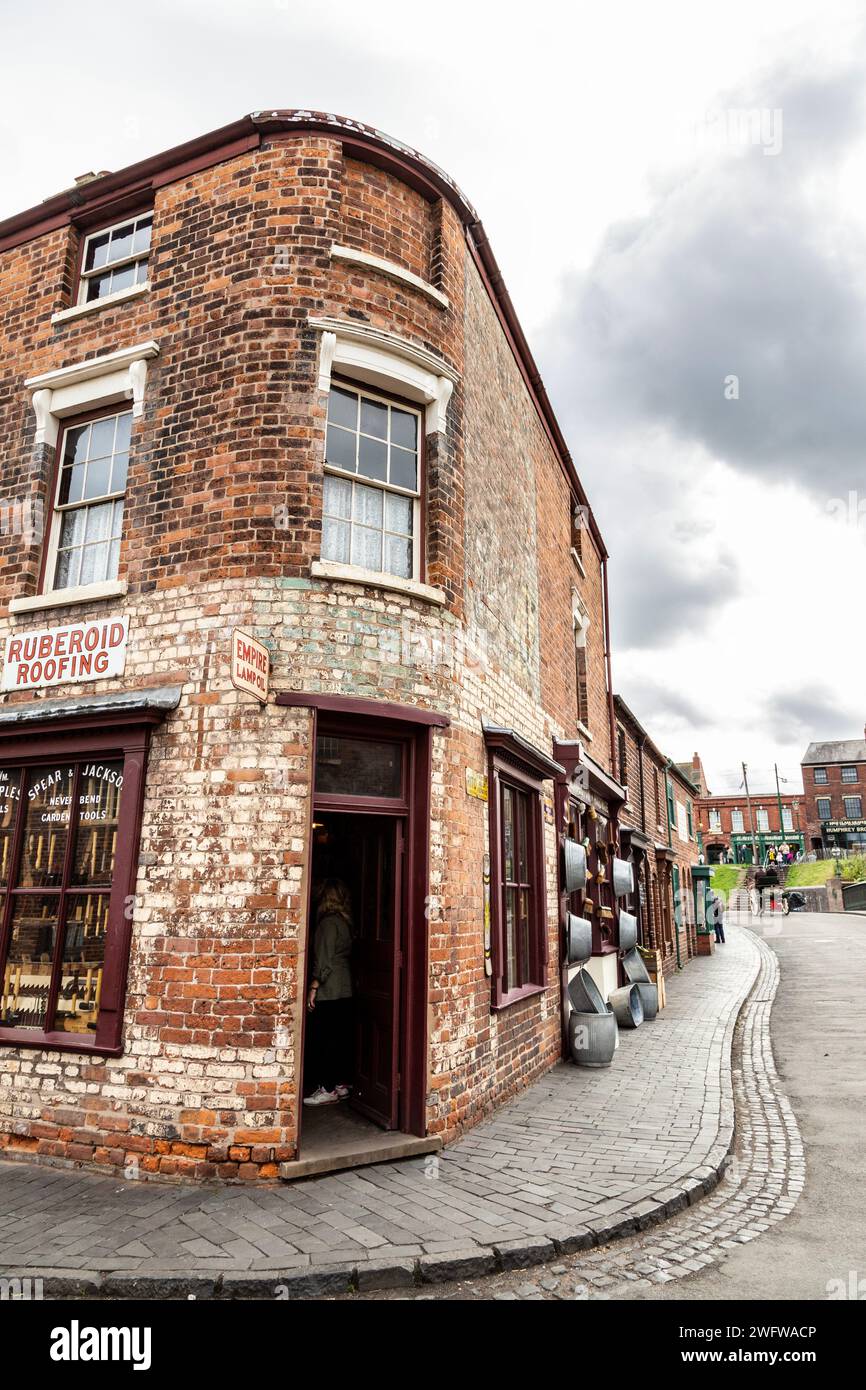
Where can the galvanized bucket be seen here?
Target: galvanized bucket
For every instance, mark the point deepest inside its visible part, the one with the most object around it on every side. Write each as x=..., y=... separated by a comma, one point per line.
x=592, y=1039
x=627, y=1006
x=584, y=994
x=649, y=997
x=635, y=969
x=623, y=877
x=573, y=866
x=579, y=932
x=627, y=931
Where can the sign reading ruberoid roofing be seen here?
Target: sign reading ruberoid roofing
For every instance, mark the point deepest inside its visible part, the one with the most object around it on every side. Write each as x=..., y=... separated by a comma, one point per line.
x=84, y=651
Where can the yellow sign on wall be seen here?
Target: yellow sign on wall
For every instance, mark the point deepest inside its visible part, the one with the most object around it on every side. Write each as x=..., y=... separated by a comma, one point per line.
x=476, y=784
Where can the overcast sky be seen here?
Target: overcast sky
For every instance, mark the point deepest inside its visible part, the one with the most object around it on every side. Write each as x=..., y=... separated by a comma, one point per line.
x=676, y=194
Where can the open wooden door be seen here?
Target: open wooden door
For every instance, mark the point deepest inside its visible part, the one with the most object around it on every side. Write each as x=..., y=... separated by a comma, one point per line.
x=378, y=961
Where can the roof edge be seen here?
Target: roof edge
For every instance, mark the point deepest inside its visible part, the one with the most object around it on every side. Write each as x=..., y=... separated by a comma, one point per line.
x=149, y=174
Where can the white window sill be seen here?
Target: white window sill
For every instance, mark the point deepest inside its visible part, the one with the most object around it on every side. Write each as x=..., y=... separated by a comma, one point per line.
x=584, y=730
x=577, y=560
x=391, y=269
x=372, y=579
x=79, y=310
x=62, y=598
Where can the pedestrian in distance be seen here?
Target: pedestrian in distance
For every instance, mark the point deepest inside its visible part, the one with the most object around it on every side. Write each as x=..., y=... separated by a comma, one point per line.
x=716, y=916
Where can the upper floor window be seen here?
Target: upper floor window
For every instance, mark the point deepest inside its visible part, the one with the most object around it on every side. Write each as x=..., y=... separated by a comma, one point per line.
x=737, y=822
x=85, y=529
x=823, y=808
x=115, y=258
x=372, y=492
x=853, y=807
x=821, y=776
x=849, y=774
x=690, y=819
x=787, y=818
x=763, y=819
x=715, y=820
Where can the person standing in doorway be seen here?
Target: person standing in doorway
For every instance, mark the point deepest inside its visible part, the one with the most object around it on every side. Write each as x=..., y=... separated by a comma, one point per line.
x=329, y=998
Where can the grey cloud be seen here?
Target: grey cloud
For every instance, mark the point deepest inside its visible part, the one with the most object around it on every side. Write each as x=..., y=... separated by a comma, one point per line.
x=741, y=268
x=811, y=712
x=655, y=599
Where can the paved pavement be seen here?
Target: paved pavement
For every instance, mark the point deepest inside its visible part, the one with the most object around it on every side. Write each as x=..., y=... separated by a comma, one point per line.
x=580, y=1158
x=761, y=1187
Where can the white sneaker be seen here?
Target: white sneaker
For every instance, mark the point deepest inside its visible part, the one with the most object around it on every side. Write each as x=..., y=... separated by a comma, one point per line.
x=322, y=1097
x=342, y=1092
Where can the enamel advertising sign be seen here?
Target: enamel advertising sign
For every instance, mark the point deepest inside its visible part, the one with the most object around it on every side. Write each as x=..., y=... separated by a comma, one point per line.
x=85, y=651
x=251, y=664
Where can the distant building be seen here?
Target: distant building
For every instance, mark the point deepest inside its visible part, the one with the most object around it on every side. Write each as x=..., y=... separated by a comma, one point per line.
x=834, y=778
x=658, y=830
x=730, y=831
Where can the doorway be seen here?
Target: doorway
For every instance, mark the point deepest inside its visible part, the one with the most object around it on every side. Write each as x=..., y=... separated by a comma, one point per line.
x=370, y=830
x=366, y=853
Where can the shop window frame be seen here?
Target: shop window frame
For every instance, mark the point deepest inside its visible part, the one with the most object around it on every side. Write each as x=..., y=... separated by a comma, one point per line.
x=127, y=740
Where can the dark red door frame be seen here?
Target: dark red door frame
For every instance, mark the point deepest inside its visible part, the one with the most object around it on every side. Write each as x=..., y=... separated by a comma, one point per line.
x=414, y=727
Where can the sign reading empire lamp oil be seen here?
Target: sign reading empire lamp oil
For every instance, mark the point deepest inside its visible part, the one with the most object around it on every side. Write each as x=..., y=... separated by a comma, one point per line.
x=251, y=664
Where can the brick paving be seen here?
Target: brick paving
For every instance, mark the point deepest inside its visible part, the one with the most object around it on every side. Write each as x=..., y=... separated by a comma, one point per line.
x=761, y=1185
x=579, y=1158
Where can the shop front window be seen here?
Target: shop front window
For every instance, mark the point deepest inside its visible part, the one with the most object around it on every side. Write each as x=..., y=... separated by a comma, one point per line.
x=62, y=822
x=68, y=854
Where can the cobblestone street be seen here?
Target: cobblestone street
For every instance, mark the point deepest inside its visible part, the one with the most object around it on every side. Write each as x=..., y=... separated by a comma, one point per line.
x=761, y=1186
x=577, y=1160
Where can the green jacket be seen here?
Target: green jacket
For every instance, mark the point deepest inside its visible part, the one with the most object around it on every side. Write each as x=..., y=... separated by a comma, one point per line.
x=332, y=957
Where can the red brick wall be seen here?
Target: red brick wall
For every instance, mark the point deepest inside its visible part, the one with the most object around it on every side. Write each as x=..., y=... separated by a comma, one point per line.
x=835, y=789
x=223, y=520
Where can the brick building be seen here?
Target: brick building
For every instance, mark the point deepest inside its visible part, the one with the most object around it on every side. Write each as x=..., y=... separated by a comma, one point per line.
x=658, y=829
x=834, y=791
x=270, y=383
x=727, y=825
x=730, y=830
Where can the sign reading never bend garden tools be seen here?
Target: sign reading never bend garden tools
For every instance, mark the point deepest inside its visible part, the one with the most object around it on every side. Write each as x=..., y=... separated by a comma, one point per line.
x=83, y=651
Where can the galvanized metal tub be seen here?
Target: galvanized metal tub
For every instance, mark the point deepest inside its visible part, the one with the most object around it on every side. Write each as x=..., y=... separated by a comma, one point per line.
x=627, y=1006
x=623, y=877
x=573, y=866
x=635, y=969
x=579, y=932
x=585, y=995
x=649, y=997
x=627, y=931
x=592, y=1039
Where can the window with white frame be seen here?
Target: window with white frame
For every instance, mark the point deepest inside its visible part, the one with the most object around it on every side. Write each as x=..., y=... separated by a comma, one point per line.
x=372, y=492
x=715, y=820
x=115, y=258
x=763, y=819
x=737, y=822
x=85, y=530
x=787, y=818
